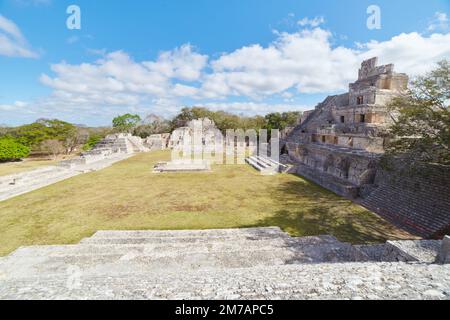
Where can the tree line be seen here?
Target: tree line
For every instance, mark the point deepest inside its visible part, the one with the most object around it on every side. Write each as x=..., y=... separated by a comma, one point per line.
x=55, y=137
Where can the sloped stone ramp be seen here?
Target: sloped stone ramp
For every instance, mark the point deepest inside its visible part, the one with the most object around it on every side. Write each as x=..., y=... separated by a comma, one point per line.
x=256, y=263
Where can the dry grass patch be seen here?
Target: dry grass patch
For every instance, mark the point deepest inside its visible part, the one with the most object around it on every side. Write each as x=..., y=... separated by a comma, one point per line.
x=22, y=166
x=128, y=196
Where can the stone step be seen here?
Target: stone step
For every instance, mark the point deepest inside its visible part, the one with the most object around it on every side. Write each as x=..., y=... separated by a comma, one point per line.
x=238, y=240
x=111, y=262
x=272, y=163
x=262, y=163
x=254, y=164
x=213, y=245
x=262, y=168
x=251, y=232
x=373, y=252
x=326, y=281
x=425, y=251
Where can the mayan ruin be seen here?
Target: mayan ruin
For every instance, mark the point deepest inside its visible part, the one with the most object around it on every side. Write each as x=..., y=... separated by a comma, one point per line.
x=225, y=160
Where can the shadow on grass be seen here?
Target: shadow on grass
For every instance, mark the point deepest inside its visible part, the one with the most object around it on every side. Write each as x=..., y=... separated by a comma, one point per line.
x=311, y=210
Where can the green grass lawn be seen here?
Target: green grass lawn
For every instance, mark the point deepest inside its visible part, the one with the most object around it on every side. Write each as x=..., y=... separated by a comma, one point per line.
x=129, y=196
x=27, y=165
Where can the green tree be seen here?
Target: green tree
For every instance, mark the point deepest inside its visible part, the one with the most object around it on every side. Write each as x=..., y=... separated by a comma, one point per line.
x=187, y=114
x=92, y=141
x=126, y=122
x=281, y=121
x=11, y=150
x=152, y=124
x=32, y=135
x=421, y=120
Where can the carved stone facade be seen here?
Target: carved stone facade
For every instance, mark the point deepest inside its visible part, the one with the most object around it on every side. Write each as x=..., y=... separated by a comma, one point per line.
x=199, y=134
x=157, y=141
x=343, y=137
x=338, y=146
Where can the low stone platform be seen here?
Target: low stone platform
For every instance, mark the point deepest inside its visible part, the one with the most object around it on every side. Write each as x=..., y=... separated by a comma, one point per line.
x=21, y=183
x=255, y=263
x=182, y=166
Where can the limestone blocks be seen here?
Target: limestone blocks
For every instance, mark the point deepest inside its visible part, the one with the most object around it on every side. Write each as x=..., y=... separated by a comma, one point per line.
x=444, y=253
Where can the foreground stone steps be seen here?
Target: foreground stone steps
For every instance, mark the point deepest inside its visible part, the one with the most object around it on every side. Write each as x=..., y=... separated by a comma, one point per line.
x=166, y=253
x=161, y=262
x=161, y=248
x=255, y=263
x=419, y=250
x=168, y=237
x=327, y=281
x=274, y=231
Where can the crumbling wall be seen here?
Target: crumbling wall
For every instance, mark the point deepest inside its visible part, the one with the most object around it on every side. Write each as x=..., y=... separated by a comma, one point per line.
x=417, y=201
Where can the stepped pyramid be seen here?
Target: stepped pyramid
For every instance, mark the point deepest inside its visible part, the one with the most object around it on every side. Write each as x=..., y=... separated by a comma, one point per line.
x=117, y=143
x=256, y=263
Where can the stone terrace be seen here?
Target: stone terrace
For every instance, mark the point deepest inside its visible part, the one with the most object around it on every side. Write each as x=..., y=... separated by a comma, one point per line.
x=257, y=263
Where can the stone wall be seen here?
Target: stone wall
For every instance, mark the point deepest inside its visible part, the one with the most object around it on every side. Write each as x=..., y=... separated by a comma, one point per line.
x=157, y=141
x=416, y=201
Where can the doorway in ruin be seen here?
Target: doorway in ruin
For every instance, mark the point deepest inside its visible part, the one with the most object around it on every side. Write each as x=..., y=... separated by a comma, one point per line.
x=284, y=150
x=344, y=167
x=329, y=163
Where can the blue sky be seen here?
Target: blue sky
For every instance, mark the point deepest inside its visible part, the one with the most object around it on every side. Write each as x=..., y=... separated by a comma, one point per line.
x=243, y=56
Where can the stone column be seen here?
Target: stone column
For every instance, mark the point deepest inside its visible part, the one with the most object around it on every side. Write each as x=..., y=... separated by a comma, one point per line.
x=444, y=254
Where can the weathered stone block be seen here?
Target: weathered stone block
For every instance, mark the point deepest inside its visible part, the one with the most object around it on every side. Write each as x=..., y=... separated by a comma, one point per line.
x=444, y=253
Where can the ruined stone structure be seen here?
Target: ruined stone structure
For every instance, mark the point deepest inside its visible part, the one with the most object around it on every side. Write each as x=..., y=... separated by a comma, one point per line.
x=192, y=147
x=207, y=135
x=342, y=137
x=257, y=263
x=338, y=145
x=118, y=143
x=157, y=141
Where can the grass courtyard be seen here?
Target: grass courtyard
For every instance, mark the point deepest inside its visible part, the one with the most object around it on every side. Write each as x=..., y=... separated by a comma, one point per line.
x=129, y=196
x=17, y=167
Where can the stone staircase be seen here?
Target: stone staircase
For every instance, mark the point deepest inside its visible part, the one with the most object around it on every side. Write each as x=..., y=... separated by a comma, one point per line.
x=266, y=165
x=253, y=263
x=417, y=205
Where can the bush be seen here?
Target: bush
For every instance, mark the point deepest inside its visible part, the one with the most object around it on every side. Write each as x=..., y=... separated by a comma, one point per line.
x=92, y=141
x=10, y=150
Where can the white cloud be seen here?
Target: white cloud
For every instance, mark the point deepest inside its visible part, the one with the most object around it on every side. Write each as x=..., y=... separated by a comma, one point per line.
x=16, y=106
x=315, y=22
x=181, y=63
x=12, y=41
x=411, y=53
x=32, y=2
x=116, y=83
x=306, y=61
x=254, y=108
x=439, y=22
x=72, y=39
